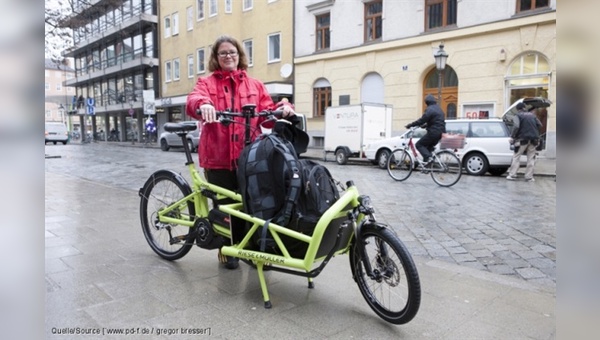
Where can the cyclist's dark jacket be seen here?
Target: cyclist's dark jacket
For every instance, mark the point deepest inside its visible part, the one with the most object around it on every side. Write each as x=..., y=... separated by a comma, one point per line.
x=433, y=117
x=526, y=126
x=220, y=145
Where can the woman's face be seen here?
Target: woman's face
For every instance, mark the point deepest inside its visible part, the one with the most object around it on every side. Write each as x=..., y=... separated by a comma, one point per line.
x=228, y=56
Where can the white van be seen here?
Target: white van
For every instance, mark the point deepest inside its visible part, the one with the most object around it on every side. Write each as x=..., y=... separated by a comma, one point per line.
x=56, y=132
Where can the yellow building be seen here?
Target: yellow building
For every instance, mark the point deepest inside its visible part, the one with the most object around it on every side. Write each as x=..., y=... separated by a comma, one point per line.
x=188, y=28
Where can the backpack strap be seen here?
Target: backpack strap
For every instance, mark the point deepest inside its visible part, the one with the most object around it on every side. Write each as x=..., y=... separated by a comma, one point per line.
x=295, y=186
x=263, y=235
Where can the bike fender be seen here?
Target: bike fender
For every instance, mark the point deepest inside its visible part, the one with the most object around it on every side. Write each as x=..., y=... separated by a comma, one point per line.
x=180, y=180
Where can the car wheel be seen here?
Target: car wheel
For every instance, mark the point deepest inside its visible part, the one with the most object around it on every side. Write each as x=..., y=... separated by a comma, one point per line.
x=382, y=158
x=497, y=171
x=476, y=164
x=164, y=146
x=341, y=157
x=64, y=143
x=54, y=143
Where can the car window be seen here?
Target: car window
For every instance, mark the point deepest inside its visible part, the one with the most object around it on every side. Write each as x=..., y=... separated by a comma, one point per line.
x=457, y=127
x=419, y=133
x=488, y=129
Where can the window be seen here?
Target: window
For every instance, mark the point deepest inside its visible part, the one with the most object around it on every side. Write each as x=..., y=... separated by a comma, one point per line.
x=373, y=22
x=168, y=71
x=175, y=23
x=200, y=57
x=322, y=97
x=190, y=59
x=48, y=114
x=248, y=4
x=439, y=13
x=167, y=26
x=322, y=31
x=457, y=127
x=228, y=6
x=189, y=18
x=529, y=68
x=274, y=47
x=47, y=86
x=176, y=69
x=149, y=42
x=249, y=52
x=527, y=5
x=212, y=8
x=58, y=87
x=199, y=10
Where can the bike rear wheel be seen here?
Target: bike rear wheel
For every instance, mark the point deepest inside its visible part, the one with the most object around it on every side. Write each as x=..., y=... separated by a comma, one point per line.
x=400, y=165
x=446, y=169
x=169, y=241
x=394, y=291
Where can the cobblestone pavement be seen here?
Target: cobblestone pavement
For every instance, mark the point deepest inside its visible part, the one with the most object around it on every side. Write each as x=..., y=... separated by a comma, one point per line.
x=486, y=223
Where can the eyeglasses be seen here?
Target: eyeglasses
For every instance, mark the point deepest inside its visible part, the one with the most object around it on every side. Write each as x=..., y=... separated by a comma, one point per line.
x=224, y=54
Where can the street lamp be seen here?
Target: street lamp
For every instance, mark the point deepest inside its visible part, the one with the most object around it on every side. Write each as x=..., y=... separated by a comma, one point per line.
x=440, y=63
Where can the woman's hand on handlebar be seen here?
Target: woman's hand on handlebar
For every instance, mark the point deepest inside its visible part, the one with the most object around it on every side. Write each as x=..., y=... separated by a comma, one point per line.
x=287, y=109
x=209, y=114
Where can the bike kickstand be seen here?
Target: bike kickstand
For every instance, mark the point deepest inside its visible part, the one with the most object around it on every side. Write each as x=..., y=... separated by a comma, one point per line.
x=263, y=284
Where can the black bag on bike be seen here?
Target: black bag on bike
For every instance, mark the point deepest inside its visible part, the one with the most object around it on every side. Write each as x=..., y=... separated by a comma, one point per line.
x=279, y=188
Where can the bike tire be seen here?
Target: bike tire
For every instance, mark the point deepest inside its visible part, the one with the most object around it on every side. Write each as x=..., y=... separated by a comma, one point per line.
x=446, y=170
x=396, y=277
x=400, y=164
x=169, y=241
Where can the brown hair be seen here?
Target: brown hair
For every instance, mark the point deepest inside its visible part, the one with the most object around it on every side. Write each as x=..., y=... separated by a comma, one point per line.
x=213, y=63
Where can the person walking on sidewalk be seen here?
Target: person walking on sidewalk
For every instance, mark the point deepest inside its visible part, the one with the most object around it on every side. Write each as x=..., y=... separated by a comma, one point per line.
x=525, y=136
x=433, y=118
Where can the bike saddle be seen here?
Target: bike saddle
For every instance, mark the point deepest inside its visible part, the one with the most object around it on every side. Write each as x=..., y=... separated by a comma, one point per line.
x=180, y=127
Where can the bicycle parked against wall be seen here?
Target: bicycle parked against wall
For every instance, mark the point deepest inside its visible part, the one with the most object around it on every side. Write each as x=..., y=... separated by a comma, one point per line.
x=445, y=169
x=176, y=215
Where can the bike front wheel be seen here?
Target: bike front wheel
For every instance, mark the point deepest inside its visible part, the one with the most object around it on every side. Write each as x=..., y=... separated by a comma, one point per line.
x=393, y=290
x=446, y=169
x=400, y=164
x=170, y=241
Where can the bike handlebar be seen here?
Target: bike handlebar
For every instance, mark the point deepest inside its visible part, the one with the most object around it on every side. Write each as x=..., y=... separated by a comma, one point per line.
x=248, y=111
x=226, y=117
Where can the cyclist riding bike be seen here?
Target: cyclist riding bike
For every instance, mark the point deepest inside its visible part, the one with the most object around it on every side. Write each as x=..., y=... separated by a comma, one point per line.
x=433, y=120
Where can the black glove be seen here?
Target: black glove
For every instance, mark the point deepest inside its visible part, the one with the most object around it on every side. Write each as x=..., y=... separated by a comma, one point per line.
x=408, y=126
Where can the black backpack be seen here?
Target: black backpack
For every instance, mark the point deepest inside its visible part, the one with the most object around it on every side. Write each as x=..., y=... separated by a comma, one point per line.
x=278, y=187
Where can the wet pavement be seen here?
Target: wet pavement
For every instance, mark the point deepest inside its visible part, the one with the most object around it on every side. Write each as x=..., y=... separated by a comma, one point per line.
x=485, y=249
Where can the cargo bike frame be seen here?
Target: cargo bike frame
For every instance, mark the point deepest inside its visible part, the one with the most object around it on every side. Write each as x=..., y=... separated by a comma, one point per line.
x=176, y=215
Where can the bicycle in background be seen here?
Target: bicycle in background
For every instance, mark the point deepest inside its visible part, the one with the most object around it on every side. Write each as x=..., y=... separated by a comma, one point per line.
x=445, y=169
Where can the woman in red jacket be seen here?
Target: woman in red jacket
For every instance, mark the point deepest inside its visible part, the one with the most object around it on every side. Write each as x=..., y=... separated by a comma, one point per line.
x=228, y=87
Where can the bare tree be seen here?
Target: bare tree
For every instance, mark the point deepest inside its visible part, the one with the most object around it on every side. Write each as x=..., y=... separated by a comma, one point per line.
x=63, y=16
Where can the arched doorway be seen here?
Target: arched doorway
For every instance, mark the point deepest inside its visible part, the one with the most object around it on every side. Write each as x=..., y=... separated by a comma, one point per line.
x=449, y=90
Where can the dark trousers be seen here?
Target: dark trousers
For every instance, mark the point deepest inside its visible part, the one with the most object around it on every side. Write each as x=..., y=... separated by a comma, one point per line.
x=426, y=144
x=227, y=179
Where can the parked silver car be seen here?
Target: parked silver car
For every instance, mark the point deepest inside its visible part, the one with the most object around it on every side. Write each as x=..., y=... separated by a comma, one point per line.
x=169, y=140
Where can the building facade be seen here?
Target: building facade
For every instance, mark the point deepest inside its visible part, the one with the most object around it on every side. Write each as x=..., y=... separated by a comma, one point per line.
x=189, y=28
x=115, y=54
x=382, y=51
x=57, y=96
